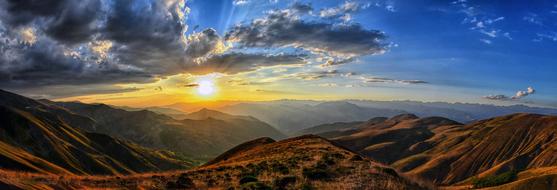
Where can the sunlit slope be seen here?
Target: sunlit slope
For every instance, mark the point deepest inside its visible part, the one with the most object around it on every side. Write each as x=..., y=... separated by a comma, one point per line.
x=445, y=152
x=34, y=138
x=306, y=162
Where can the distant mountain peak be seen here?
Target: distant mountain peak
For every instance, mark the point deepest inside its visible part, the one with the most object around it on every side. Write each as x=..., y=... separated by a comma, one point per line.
x=337, y=104
x=402, y=117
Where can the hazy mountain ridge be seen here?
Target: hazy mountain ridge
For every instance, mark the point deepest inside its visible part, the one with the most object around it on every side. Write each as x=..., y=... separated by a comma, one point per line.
x=206, y=135
x=291, y=116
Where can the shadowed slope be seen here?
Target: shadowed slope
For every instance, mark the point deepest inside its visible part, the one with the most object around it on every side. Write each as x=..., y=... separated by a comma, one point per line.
x=34, y=138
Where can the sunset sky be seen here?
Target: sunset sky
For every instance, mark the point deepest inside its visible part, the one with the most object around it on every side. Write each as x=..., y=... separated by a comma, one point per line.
x=157, y=52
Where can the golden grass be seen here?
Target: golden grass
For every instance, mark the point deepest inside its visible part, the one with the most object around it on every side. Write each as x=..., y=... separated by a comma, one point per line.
x=303, y=153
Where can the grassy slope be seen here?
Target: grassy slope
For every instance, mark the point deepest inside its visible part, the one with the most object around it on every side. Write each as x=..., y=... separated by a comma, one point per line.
x=269, y=162
x=34, y=138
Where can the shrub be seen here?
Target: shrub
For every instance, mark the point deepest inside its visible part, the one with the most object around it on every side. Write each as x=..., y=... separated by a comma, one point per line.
x=282, y=183
x=315, y=173
x=388, y=171
x=306, y=186
x=255, y=186
x=356, y=158
x=280, y=168
x=183, y=182
x=248, y=179
x=496, y=180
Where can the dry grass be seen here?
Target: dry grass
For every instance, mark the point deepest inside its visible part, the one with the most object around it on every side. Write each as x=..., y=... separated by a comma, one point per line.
x=345, y=170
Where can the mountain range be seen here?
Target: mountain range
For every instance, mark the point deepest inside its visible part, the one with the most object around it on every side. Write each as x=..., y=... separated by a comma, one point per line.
x=291, y=116
x=34, y=138
x=446, y=152
x=201, y=135
x=72, y=145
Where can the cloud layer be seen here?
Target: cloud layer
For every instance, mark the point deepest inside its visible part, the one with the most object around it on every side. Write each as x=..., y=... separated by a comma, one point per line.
x=107, y=42
x=285, y=28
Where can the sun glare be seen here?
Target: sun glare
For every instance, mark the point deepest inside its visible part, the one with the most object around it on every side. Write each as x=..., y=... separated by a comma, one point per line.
x=206, y=88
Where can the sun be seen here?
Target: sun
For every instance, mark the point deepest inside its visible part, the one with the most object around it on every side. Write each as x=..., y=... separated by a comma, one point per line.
x=206, y=88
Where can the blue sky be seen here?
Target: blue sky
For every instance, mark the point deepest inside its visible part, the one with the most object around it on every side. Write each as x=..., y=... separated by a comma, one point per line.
x=497, y=52
x=440, y=41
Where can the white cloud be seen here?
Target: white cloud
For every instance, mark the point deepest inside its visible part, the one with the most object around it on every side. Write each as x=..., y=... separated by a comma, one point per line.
x=520, y=94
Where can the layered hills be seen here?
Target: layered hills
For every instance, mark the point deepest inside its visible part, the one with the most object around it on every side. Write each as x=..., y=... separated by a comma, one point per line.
x=202, y=134
x=306, y=162
x=291, y=117
x=34, y=138
x=446, y=152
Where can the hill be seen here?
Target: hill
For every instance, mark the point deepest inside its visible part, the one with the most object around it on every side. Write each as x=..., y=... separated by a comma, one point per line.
x=33, y=138
x=290, y=117
x=306, y=162
x=445, y=152
x=204, y=135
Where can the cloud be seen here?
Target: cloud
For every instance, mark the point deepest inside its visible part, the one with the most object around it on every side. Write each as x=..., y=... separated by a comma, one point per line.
x=200, y=46
x=524, y=93
x=333, y=62
x=234, y=62
x=520, y=94
x=28, y=35
x=316, y=75
x=343, y=11
x=282, y=28
x=328, y=85
x=389, y=80
x=240, y=2
x=497, y=97
x=481, y=21
x=190, y=85
x=68, y=21
x=486, y=41
x=242, y=82
x=533, y=18
x=89, y=42
x=546, y=36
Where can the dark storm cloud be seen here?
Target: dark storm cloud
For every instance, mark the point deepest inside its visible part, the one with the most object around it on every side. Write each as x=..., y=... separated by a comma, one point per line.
x=144, y=41
x=233, y=63
x=77, y=42
x=282, y=28
x=69, y=21
x=146, y=35
x=46, y=64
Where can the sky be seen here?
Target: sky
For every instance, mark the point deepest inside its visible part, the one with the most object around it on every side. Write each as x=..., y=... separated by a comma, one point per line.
x=158, y=52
